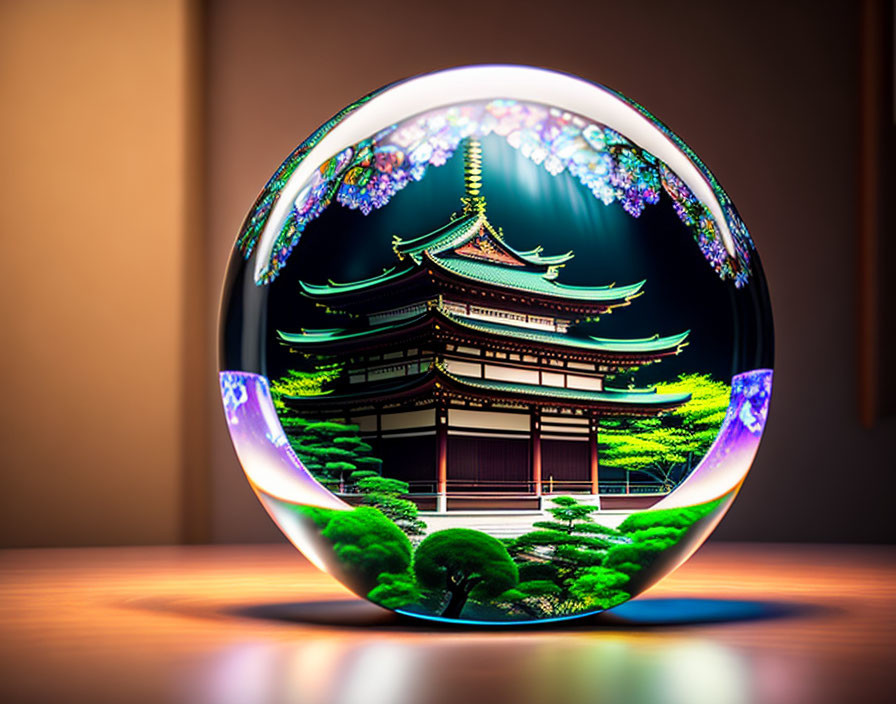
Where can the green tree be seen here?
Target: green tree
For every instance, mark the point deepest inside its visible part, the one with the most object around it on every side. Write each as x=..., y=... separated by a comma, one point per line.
x=558, y=552
x=303, y=383
x=650, y=533
x=535, y=597
x=331, y=450
x=571, y=516
x=669, y=447
x=386, y=495
x=679, y=518
x=461, y=563
x=366, y=545
x=600, y=587
x=395, y=590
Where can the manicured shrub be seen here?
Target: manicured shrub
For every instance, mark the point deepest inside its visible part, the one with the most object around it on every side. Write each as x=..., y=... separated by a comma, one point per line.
x=461, y=562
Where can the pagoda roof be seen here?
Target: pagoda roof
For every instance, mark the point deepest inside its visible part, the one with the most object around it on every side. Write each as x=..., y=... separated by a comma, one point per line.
x=654, y=344
x=410, y=385
x=521, y=280
x=533, y=282
x=627, y=397
x=436, y=377
x=461, y=230
x=332, y=288
x=319, y=336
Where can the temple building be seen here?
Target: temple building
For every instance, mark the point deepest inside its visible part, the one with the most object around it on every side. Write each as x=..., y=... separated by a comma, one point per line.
x=464, y=367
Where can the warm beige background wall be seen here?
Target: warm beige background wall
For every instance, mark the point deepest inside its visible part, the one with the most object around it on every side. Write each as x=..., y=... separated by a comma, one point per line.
x=110, y=419
x=93, y=216
x=766, y=92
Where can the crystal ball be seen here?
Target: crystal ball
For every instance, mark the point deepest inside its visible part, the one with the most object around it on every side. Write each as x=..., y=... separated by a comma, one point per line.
x=495, y=347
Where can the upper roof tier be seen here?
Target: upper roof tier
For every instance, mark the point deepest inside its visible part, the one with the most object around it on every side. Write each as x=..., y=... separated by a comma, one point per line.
x=468, y=257
x=521, y=280
x=471, y=271
x=474, y=236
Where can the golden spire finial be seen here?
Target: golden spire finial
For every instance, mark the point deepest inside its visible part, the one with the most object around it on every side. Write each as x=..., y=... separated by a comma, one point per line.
x=473, y=202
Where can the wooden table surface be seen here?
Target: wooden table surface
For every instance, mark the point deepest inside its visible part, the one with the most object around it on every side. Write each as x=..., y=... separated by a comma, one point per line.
x=236, y=625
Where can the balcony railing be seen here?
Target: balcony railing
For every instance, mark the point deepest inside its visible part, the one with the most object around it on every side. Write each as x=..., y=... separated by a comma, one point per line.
x=548, y=487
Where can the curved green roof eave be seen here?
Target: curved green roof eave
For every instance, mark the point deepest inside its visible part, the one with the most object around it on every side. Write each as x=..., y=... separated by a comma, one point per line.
x=634, y=397
x=532, y=282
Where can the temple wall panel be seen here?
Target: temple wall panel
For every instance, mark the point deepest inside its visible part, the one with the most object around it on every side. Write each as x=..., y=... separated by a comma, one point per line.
x=574, y=381
x=409, y=419
x=455, y=366
x=552, y=379
x=411, y=458
x=488, y=419
x=518, y=376
x=365, y=424
x=565, y=420
x=468, y=350
x=494, y=463
x=564, y=461
x=564, y=429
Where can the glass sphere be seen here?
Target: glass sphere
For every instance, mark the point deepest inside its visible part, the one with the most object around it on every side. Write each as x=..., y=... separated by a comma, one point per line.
x=496, y=347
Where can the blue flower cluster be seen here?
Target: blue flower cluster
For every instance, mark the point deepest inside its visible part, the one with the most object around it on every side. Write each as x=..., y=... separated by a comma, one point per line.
x=368, y=175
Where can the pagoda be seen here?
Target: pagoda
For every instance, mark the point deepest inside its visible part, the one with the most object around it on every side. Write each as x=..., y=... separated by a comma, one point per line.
x=464, y=368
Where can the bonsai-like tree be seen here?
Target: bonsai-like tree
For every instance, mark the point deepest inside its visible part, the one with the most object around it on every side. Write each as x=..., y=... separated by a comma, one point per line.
x=395, y=590
x=572, y=517
x=303, y=383
x=386, y=495
x=561, y=549
x=668, y=448
x=367, y=545
x=600, y=587
x=461, y=562
x=330, y=450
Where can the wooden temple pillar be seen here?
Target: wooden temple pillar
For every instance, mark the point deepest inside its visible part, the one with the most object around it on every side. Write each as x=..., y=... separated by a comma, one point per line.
x=441, y=459
x=535, y=434
x=592, y=454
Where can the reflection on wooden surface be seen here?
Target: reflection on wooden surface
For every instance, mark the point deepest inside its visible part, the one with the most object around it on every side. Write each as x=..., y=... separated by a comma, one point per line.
x=243, y=624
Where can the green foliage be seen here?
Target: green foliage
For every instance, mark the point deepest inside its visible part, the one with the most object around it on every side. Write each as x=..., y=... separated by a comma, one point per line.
x=362, y=474
x=303, y=383
x=550, y=539
x=331, y=450
x=651, y=533
x=629, y=558
x=367, y=545
x=339, y=467
x=376, y=484
x=535, y=597
x=706, y=410
x=352, y=444
x=568, y=512
x=680, y=518
x=461, y=562
x=600, y=587
x=386, y=495
x=537, y=571
x=319, y=516
x=559, y=551
x=372, y=463
x=395, y=590
x=668, y=533
x=669, y=447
